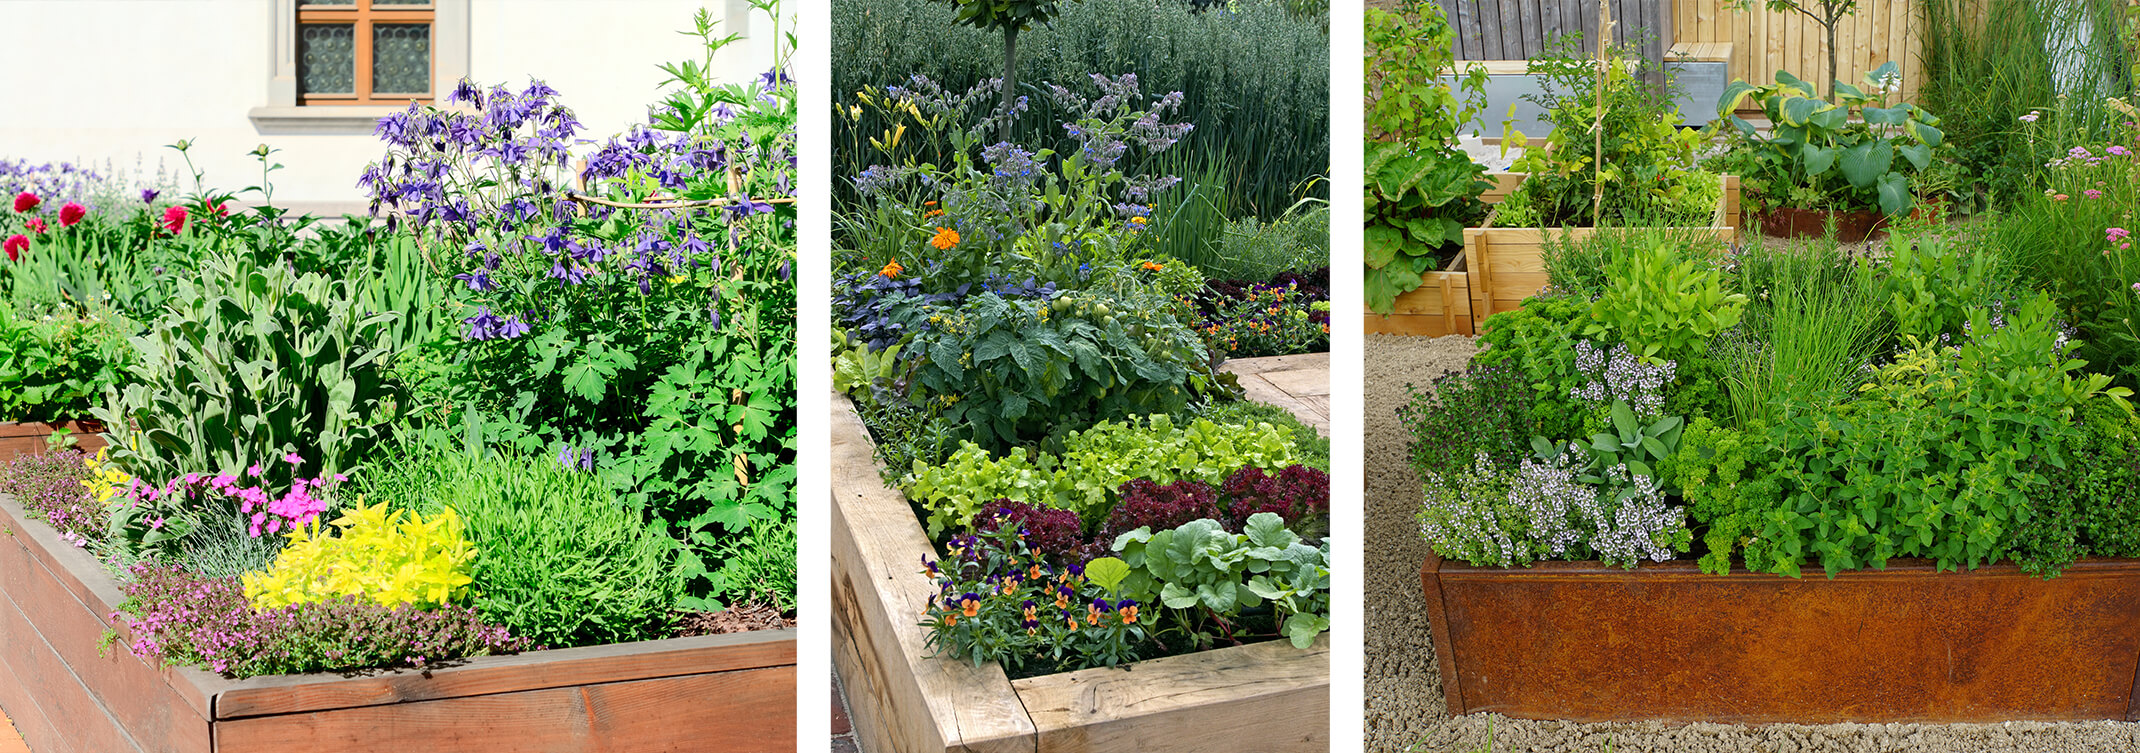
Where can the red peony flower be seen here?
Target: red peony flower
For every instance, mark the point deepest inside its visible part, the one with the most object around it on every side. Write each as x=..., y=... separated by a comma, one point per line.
x=14, y=246
x=36, y=224
x=26, y=201
x=174, y=219
x=218, y=208
x=71, y=213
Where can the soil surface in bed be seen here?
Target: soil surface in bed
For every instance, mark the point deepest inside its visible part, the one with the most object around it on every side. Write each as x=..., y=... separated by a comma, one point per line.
x=1405, y=710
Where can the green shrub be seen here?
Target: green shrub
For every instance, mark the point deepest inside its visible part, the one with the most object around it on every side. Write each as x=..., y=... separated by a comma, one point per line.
x=1534, y=341
x=248, y=364
x=559, y=559
x=57, y=367
x=759, y=565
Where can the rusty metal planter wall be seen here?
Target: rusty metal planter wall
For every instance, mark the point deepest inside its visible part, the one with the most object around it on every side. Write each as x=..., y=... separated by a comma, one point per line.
x=1586, y=642
x=731, y=692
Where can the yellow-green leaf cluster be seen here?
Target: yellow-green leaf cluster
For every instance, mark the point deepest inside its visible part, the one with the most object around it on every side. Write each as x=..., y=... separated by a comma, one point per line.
x=387, y=556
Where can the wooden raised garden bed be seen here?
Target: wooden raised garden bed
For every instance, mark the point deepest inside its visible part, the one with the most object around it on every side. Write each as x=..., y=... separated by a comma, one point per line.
x=1268, y=697
x=731, y=692
x=1585, y=642
x=28, y=437
x=1501, y=266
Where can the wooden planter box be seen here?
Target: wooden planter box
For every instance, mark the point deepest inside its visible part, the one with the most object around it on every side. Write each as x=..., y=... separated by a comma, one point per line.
x=1585, y=642
x=714, y=693
x=1268, y=697
x=28, y=437
x=1500, y=267
x=1507, y=264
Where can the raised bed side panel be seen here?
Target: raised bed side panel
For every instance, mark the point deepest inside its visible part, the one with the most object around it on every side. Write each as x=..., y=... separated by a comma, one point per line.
x=902, y=700
x=1583, y=642
x=1268, y=697
x=723, y=711
x=1427, y=311
x=64, y=690
x=1430, y=586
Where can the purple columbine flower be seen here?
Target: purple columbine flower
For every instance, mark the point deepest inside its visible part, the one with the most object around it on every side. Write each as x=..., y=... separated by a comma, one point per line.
x=148, y=195
x=477, y=281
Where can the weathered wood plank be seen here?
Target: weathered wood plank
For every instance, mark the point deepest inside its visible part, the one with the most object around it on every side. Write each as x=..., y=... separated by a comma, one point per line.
x=163, y=709
x=1271, y=693
x=721, y=711
x=484, y=675
x=76, y=715
x=16, y=697
x=901, y=698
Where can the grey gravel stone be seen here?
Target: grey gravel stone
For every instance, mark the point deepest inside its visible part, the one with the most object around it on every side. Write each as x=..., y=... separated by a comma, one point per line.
x=1405, y=711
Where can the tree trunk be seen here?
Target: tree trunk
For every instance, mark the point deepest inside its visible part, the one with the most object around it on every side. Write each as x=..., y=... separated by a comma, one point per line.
x=1830, y=86
x=1010, y=78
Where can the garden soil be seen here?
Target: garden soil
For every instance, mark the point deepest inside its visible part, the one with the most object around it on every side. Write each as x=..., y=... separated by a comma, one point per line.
x=1405, y=711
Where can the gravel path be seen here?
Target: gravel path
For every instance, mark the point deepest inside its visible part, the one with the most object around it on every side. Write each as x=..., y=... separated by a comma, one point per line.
x=1405, y=711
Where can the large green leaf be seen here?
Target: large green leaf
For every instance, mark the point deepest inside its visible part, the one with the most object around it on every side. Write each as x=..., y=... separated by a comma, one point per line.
x=1382, y=244
x=1866, y=162
x=1894, y=193
x=1919, y=155
x=1887, y=116
x=1816, y=159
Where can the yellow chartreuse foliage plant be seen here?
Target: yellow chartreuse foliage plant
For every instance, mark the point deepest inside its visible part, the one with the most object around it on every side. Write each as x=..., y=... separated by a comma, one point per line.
x=387, y=556
x=106, y=481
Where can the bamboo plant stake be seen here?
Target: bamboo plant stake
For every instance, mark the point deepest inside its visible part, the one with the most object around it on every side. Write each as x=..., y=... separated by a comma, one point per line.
x=1597, y=126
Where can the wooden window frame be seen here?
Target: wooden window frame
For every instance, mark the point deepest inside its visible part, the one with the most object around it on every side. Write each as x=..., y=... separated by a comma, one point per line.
x=361, y=17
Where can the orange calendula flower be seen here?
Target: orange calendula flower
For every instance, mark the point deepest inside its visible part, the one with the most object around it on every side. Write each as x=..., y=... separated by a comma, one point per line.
x=1138, y=220
x=945, y=239
x=1152, y=267
x=932, y=213
x=928, y=203
x=891, y=269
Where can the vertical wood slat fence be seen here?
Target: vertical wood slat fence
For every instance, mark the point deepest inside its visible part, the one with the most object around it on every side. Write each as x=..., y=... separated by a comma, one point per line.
x=1761, y=41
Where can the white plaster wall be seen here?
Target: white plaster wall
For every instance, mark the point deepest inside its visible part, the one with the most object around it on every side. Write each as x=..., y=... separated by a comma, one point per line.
x=112, y=81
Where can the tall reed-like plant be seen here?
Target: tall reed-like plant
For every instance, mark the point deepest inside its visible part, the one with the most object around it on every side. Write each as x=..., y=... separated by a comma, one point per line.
x=2019, y=81
x=1813, y=320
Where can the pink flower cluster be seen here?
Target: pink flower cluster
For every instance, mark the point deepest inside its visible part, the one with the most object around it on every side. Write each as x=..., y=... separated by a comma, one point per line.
x=267, y=513
x=2119, y=236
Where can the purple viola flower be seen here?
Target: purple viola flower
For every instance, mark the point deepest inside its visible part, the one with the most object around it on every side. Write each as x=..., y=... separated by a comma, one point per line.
x=148, y=195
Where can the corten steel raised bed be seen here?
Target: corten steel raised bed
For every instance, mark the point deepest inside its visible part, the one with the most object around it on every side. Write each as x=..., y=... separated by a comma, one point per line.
x=1500, y=267
x=1267, y=697
x=731, y=692
x=28, y=437
x=1586, y=642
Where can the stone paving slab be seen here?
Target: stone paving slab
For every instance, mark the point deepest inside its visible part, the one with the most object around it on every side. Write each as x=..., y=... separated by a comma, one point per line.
x=1298, y=383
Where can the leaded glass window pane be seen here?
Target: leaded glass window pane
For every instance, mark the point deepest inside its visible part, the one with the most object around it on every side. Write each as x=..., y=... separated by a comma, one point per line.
x=401, y=58
x=327, y=58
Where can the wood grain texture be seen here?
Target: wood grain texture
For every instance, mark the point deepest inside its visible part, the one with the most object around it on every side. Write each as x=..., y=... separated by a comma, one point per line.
x=535, y=670
x=1764, y=41
x=708, y=712
x=902, y=699
x=76, y=714
x=65, y=613
x=28, y=437
x=1272, y=694
x=1585, y=642
x=28, y=722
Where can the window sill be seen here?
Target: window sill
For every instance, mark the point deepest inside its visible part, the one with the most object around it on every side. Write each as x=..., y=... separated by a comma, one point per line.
x=326, y=120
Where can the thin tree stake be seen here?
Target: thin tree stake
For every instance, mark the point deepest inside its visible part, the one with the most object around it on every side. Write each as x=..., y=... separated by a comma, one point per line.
x=1597, y=127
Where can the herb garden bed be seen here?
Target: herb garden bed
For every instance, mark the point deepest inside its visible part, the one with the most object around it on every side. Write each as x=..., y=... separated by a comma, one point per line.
x=1587, y=642
x=905, y=699
x=720, y=692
